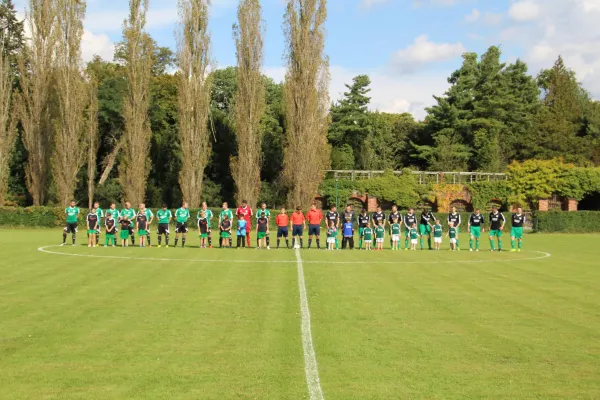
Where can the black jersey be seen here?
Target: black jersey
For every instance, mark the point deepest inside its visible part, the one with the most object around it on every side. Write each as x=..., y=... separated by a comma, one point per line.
x=225, y=225
x=518, y=220
x=110, y=226
x=395, y=215
x=476, y=219
x=262, y=222
x=142, y=221
x=125, y=224
x=410, y=220
x=363, y=220
x=347, y=214
x=379, y=217
x=427, y=218
x=203, y=225
x=496, y=221
x=332, y=216
x=455, y=219
x=92, y=221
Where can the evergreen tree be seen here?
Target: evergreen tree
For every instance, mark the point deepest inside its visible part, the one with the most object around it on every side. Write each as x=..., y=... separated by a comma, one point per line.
x=12, y=32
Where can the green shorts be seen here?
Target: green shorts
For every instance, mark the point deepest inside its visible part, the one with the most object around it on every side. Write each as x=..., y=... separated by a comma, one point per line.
x=424, y=230
x=110, y=236
x=360, y=232
x=261, y=235
x=142, y=232
x=225, y=235
x=476, y=232
x=496, y=233
x=92, y=231
x=203, y=235
x=124, y=235
x=516, y=233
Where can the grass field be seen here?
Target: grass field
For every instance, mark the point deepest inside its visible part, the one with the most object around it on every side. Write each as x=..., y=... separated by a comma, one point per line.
x=154, y=323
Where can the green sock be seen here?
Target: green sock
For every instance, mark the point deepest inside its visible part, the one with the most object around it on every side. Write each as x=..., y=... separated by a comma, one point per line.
x=492, y=244
x=337, y=243
x=422, y=243
x=406, y=243
x=520, y=244
x=471, y=244
x=360, y=243
x=477, y=244
x=512, y=244
x=457, y=243
x=429, y=242
x=499, y=244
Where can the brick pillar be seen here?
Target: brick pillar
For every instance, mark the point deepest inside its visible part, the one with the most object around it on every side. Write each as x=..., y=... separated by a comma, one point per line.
x=572, y=205
x=372, y=204
x=543, y=205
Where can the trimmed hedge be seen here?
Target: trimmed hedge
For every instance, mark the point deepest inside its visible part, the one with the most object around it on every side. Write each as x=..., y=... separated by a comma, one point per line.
x=566, y=222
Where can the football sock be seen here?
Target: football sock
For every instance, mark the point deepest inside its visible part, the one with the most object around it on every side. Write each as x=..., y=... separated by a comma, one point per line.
x=301, y=243
x=309, y=243
x=176, y=240
x=148, y=240
x=209, y=240
x=360, y=243
x=476, y=244
x=318, y=243
x=422, y=243
x=278, y=240
x=183, y=242
x=73, y=238
x=429, y=242
x=268, y=241
x=159, y=239
x=457, y=243
x=492, y=244
x=406, y=243
x=64, y=237
x=471, y=244
x=97, y=238
x=499, y=244
x=133, y=240
x=337, y=243
x=293, y=242
x=167, y=239
x=520, y=244
x=287, y=243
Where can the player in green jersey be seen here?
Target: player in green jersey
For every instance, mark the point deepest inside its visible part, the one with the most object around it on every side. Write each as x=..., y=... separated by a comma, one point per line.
x=113, y=212
x=379, y=234
x=437, y=235
x=475, y=228
x=516, y=232
x=130, y=214
x=395, y=229
x=72, y=216
x=100, y=215
x=225, y=212
x=367, y=235
x=413, y=233
x=208, y=214
x=164, y=216
x=149, y=218
x=453, y=234
x=181, y=217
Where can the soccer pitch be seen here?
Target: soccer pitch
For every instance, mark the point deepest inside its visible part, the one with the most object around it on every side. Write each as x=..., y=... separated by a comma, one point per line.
x=131, y=323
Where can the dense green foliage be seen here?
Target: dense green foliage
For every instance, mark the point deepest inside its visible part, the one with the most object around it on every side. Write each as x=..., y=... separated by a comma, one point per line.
x=485, y=192
x=566, y=222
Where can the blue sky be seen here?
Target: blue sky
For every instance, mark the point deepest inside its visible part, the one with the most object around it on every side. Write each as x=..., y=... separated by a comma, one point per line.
x=408, y=47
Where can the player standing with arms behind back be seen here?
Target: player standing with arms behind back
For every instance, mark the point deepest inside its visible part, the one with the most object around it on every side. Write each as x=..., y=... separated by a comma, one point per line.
x=164, y=216
x=111, y=229
x=208, y=214
x=410, y=219
x=516, y=232
x=314, y=217
x=497, y=222
x=282, y=220
x=475, y=229
x=72, y=216
x=100, y=215
x=332, y=216
x=149, y=218
x=92, y=227
x=181, y=216
x=455, y=219
x=130, y=214
x=298, y=224
x=364, y=222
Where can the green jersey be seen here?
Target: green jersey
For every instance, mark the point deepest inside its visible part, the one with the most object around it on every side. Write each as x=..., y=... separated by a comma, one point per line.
x=452, y=233
x=72, y=214
x=207, y=214
x=413, y=233
x=164, y=216
x=331, y=232
x=395, y=228
x=182, y=215
x=99, y=213
x=267, y=213
x=113, y=213
x=224, y=213
x=148, y=213
x=130, y=214
x=437, y=230
x=368, y=233
x=379, y=232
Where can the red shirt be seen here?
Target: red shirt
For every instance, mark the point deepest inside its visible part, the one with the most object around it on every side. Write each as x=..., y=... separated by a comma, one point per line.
x=297, y=218
x=244, y=212
x=282, y=220
x=314, y=217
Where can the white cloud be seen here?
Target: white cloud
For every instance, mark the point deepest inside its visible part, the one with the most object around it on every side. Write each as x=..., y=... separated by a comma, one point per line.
x=524, y=10
x=473, y=16
x=92, y=45
x=423, y=52
x=370, y=3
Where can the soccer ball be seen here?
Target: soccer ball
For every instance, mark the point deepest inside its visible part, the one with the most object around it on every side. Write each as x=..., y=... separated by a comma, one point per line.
x=297, y=246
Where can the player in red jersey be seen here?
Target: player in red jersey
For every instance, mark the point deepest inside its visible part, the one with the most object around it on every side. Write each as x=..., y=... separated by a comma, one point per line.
x=246, y=213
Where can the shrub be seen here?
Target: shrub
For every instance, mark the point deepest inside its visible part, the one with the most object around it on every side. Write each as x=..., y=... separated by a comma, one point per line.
x=566, y=222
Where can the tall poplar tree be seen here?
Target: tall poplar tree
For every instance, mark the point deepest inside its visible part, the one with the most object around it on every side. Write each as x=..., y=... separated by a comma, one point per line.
x=134, y=167
x=36, y=72
x=8, y=129
x=249, y=101
x=306, y=100
x=193, y=46
x=72, y=94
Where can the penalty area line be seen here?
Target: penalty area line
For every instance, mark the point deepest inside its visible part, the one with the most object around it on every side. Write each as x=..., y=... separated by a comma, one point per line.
x=310, y=359
x=542, y=255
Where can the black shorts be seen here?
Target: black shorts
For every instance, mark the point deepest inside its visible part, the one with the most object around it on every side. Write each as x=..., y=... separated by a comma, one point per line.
x=314, y=230
x=71, y=227
x=297, y=230
x=282, y=231
x=181, y=227
x=163, y=229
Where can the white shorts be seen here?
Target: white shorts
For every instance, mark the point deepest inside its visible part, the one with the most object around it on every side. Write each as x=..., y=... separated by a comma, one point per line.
x=379, y=240
x=331, y=240
x=437, y=240
x=395, y=238
x=453, y=241
x=368, y=241
x=414, y=241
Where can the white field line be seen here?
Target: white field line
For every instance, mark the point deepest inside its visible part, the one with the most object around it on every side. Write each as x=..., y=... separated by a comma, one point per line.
x=44, y=249
x=310, y=359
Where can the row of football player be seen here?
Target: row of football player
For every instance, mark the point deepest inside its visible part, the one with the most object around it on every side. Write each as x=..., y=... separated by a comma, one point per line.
x=131, y=221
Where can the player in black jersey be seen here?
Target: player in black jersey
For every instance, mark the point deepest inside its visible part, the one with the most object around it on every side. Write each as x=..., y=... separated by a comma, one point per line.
x=348, y=212
x=516, y=232
x=410, y=219
x=475, y=227
x=378, y=217
x=497, y=222
x=364, y=221
x=455, y=219
x=333, y=216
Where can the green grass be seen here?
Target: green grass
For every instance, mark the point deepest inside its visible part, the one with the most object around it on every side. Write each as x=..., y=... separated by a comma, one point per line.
x=385, y=325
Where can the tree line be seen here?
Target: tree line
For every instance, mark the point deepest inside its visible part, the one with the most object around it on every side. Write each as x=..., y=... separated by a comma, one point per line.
x=132, y=129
